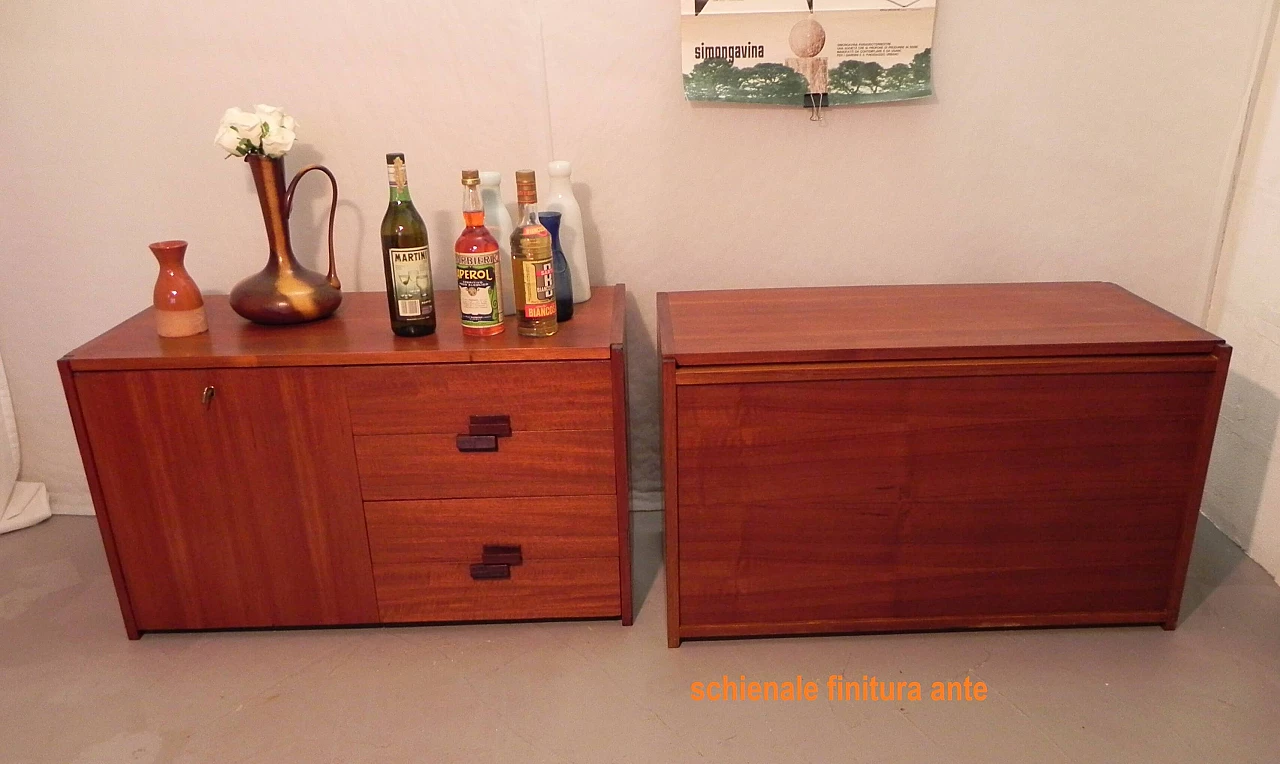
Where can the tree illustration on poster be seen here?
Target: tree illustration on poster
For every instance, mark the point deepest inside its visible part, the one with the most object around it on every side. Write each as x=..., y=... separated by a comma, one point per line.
x=717, y=80
x=806, y=53
x=852, y=82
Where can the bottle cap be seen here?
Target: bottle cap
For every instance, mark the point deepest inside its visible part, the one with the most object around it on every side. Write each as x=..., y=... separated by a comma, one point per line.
x=470, y=177
x=490, y=178
x=396, y=174
x=559, y=169
x=526, y=187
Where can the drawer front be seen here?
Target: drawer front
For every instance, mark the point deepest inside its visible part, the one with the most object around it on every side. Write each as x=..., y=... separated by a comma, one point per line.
x=445, y=591
x=933, y=498
x=552, y=463
x=441, y=398
x=544, y=528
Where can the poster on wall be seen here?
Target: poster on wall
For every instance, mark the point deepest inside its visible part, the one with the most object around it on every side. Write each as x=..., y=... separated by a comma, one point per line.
x=810, y=53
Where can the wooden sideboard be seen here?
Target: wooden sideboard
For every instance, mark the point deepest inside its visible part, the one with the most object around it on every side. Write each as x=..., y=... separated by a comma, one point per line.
x=333, y=473
x=930, y=457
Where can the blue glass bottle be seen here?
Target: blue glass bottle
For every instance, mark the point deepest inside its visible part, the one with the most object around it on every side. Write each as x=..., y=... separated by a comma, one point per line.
x=564, y=283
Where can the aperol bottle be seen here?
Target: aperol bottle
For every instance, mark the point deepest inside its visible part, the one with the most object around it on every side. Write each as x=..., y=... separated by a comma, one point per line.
x=476, y=255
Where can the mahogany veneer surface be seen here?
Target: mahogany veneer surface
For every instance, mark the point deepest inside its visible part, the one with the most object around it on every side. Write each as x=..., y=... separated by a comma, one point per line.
x=1015, y=481
x=546, y=528
x=916, y=322
x=553, y=463
x=311, y=475
x=553, y=395
x=210, y=539
x=445, y=591
x=359, y=333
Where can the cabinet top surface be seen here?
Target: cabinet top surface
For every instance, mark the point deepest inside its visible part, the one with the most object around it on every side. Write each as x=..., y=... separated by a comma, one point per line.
x=831, y=324
x=359, y=333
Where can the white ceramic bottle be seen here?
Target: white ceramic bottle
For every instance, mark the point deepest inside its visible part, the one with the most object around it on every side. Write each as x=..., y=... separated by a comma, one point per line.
x=560, y=199
x=497, y=218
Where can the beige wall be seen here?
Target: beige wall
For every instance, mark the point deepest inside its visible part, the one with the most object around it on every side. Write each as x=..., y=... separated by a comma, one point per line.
x=1243, y=494
x=1071, y=139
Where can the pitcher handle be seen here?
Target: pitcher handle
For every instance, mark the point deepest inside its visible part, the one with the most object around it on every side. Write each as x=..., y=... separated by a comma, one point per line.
x=332, y=278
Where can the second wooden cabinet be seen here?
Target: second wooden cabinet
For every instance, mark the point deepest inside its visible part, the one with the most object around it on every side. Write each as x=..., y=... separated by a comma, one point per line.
x=343, y=482
x=930, y=457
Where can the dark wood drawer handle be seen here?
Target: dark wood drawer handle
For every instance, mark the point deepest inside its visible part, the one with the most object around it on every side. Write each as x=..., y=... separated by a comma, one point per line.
x=477, y=443
x=481, y=571
x=499, y=554
x=497, y=425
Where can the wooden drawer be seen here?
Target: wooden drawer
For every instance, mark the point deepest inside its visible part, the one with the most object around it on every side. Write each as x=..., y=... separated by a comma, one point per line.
x=569, y=395
x=445, y=591
x=545, y=528
x=553, y=463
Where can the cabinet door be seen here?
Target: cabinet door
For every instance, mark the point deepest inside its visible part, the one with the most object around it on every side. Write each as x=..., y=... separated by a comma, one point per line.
x=233, y=496
x=978, y=500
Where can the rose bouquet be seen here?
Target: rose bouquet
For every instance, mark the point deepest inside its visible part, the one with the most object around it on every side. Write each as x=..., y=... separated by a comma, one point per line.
x=265, y=131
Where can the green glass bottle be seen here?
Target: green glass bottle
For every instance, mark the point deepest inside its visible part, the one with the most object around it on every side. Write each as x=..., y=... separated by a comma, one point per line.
x=406, y=259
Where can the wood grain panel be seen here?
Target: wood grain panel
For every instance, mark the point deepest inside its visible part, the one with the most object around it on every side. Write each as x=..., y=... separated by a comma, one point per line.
x=938, y=623
x=571, y=395
x=795, y=591
x=671, y=496
x=917, y=499
x=622, y=468
x=790, y=442
x=457, y=530
x=359, y=333
x=559, y=463
x=1081, y=436
x=1195, y=492
x=444, y=591
x=936, y=321
x=101, y=512
x=813, y=372
x=244, y=513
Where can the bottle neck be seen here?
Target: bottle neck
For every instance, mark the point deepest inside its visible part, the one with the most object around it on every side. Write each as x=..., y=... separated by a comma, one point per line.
x=472, y=206
x=529, y=213
x=399, y=181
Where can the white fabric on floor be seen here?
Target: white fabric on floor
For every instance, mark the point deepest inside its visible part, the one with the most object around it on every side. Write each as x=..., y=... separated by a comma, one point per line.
x=21, y=504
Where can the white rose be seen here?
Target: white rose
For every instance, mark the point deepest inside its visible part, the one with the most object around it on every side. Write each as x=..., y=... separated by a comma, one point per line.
x=278, y=130
x=228, y=140
x=277, y=142
x=247, y=126
x=271, y=116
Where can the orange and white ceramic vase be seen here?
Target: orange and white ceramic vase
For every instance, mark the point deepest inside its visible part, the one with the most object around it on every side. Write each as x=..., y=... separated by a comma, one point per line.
x=179, y=308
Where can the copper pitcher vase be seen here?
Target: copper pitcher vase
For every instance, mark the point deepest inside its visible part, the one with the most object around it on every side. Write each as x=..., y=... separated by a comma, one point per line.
x=284, y=292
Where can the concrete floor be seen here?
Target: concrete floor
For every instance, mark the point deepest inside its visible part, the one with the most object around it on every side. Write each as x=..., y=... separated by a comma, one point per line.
x=73, y=689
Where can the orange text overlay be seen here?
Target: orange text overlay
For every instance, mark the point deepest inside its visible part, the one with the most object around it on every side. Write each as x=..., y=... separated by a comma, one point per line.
x=837, y=688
